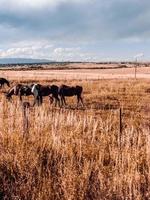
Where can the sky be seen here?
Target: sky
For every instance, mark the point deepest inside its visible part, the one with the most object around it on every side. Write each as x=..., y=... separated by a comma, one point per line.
x=75, y=30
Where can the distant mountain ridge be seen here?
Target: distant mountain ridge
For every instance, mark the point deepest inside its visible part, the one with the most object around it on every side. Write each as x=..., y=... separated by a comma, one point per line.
x=23, y=60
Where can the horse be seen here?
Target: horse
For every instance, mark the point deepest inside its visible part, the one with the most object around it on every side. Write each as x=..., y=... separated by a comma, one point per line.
x=25, y=90
x=41, y=91
x=37, y=90
x=3, y=81
x=13, y=91
x=67, y=91
x=19, y=90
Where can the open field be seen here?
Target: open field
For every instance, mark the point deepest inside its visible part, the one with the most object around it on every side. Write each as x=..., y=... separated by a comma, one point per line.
x=78, y=72
x=77, y=153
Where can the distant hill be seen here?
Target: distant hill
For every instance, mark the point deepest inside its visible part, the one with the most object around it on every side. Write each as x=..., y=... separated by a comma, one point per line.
x=23, y=61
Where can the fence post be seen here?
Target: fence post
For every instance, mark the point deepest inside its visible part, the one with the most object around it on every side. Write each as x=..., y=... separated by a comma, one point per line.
x=120, y=121
x=26, y=106
x=120, y=127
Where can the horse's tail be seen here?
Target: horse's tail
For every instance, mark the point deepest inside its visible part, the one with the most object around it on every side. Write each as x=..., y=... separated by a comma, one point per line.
x=7, y=82
x=79, y=89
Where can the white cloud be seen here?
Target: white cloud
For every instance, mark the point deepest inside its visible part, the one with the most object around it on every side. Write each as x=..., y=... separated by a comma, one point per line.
x=47, y=51
x=61, y=53
x=73, y=54
x=28, y=50
x=13, y=5
x=16, y=52
x=61, y=50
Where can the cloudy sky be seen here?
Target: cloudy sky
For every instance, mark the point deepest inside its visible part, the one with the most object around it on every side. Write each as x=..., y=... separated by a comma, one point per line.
x=90, y=30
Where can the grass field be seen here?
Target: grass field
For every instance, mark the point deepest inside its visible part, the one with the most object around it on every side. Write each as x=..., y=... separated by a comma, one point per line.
x=78, y=153
x=76, y=71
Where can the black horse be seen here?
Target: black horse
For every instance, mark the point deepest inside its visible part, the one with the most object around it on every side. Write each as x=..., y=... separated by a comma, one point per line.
x=67, y=91
x=3, y=81
x=41, y=91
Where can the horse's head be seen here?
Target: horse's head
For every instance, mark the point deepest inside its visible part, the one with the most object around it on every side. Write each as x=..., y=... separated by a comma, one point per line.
x=8, y=83
x=8, y=96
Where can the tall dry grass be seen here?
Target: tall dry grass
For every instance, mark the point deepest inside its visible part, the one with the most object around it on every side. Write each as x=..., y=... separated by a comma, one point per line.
x=77, y=153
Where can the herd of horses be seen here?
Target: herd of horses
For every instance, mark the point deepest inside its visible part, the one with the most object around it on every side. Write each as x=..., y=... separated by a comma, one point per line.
x=38, y=91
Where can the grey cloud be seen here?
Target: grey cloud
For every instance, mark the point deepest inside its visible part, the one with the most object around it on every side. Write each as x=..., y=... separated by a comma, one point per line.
x=113, y=19
x=62, y=23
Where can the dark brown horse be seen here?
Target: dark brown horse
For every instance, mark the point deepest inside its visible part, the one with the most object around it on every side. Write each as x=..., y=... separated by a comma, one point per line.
x=41, y=91
x=3, y=81
x=67, y=91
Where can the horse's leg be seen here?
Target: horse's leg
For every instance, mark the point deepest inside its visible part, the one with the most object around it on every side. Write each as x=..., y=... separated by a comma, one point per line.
x=61, y=101
x=55, y=97
x=64, y=100
x=51, y=99
x=35, y=101
x=79, y=98
x=38, y=100
x=56, y=100
x=41, y=99
x=20, y=97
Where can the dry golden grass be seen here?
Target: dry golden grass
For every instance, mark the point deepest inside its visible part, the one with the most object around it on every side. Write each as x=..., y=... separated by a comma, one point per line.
x=74, y=153
x=76, y=71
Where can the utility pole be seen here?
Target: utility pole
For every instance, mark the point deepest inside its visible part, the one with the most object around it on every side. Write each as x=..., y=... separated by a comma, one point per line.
x=136, y=63
x=135, y=71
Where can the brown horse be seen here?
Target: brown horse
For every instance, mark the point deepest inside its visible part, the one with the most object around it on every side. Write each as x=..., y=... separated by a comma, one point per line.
x=67, y=91
x=41, y=91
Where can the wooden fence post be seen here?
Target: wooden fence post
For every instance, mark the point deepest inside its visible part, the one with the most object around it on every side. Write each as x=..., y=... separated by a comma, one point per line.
x=120, y=120
x=120, y=126
x=26, y=106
